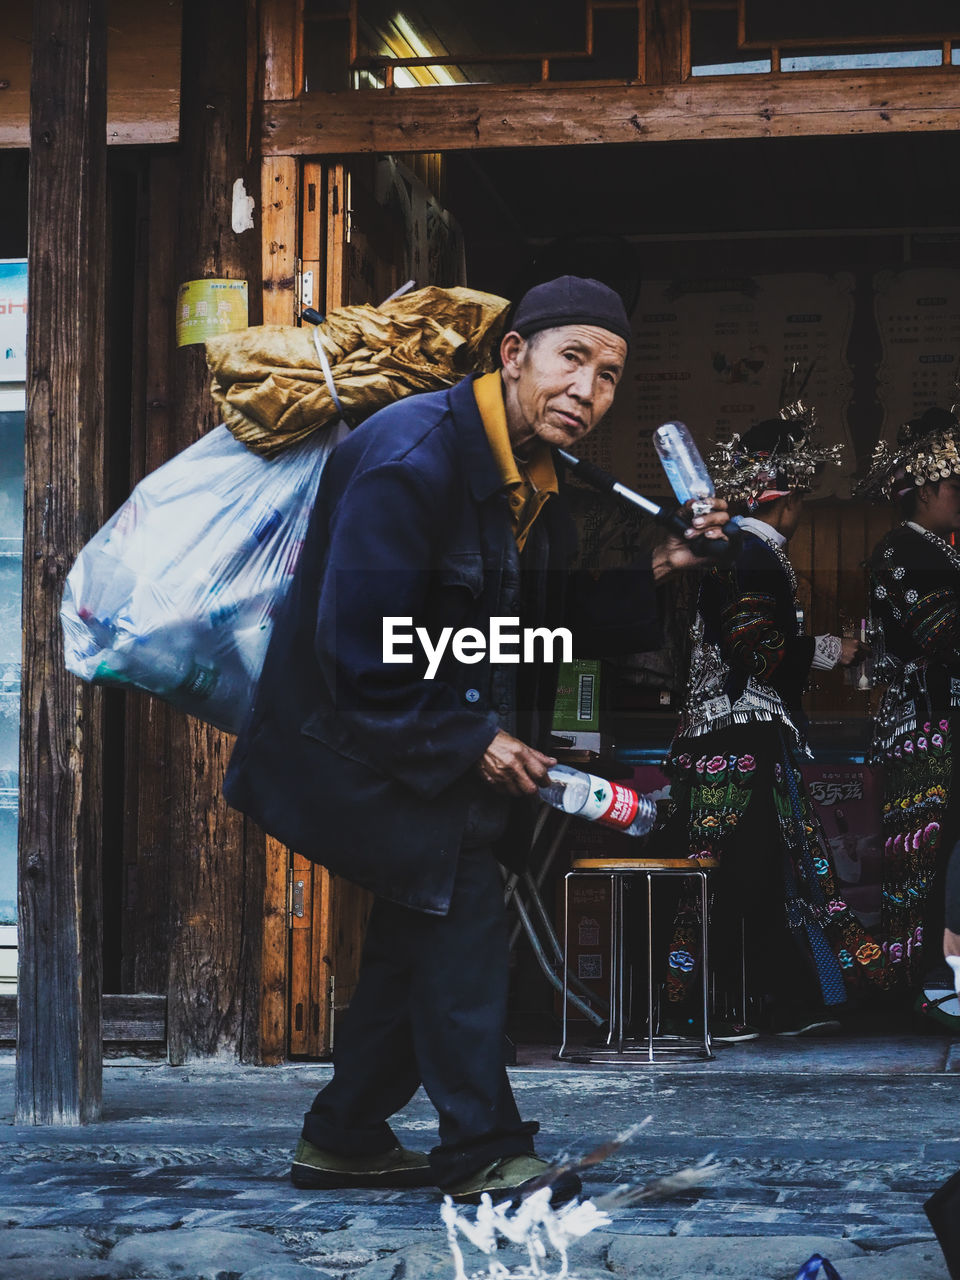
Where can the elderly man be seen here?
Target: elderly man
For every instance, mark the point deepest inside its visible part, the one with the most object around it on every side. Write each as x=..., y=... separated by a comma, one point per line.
x=413, y=778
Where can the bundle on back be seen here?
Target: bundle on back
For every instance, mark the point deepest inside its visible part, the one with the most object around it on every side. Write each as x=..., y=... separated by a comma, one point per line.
x=270, y=384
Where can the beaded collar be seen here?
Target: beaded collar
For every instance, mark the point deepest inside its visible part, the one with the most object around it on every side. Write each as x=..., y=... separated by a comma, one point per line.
x=778, y=551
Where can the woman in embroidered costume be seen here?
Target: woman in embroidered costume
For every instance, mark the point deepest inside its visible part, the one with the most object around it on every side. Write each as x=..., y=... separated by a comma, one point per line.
x=737, y=792
x=915, y=590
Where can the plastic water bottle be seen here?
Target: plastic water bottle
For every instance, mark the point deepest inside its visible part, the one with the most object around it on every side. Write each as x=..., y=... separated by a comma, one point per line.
x=609, y=803
x=685, y=469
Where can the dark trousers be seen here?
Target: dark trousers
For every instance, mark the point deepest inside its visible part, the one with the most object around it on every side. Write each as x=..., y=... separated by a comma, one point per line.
x=430, y=1007
x=750, y=880
x=749, y=885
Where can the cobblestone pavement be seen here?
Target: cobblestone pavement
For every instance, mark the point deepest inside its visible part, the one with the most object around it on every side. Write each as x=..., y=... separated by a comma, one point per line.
x=836, y=1142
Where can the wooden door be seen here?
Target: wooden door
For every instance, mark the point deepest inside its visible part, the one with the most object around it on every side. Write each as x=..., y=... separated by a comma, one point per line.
x=349, y=254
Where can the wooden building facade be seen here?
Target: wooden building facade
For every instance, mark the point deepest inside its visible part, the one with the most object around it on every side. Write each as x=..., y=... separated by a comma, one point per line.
x=694, y=137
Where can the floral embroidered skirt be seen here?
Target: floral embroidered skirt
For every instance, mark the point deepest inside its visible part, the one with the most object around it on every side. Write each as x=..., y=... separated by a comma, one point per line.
x=919, y=830
x=737, y=795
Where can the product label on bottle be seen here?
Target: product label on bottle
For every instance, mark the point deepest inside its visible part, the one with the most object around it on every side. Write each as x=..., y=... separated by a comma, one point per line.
x=199, y=681
x=610, y=803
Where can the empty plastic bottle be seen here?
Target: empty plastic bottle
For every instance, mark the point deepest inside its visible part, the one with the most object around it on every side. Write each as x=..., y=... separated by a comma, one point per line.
x=597, y=800
x=685, y=469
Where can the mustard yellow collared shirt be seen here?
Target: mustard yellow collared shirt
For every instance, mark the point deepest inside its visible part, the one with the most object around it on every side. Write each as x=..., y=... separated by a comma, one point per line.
x=528, y=484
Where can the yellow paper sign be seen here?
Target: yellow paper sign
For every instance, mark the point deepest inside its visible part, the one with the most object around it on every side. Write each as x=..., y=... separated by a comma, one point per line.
x=206, y=308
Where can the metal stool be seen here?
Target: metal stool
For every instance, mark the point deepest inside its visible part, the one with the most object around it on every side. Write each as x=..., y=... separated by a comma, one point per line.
x=522, y=891
x=619, y=871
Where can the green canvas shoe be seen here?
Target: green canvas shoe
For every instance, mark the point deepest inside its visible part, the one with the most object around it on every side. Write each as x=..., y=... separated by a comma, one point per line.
x=512, y=1178
x=313, y=1167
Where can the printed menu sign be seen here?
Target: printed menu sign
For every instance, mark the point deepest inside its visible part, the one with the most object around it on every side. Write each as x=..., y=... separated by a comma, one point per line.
x=713, y=353
x=918, y=317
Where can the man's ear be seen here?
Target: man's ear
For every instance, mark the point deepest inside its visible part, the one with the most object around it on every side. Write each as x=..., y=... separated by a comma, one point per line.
x=511, y=352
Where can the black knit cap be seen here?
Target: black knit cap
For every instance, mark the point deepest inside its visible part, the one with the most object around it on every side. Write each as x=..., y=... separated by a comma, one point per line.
x=571, y=300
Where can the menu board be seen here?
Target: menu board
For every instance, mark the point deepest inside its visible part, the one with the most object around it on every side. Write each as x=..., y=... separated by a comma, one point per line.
x=918, y=317
x=714, y=352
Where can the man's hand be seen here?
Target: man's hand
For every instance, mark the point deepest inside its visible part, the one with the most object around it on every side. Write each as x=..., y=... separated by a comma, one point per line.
x=852, y=652
x=675, y=554
x=510, y=766
x=951, y=943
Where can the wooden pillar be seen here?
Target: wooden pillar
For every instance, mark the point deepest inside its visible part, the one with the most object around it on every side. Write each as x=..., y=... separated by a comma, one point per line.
x=666, y=51
x=282, y=48
x=217, y=860
x=59, y=1063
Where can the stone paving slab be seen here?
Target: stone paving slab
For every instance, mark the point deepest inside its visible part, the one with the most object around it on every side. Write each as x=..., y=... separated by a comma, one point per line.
x=682, y=1259
x=848, y=1156
x=250, y=1255
x=741, y=1201
x=781, y=1055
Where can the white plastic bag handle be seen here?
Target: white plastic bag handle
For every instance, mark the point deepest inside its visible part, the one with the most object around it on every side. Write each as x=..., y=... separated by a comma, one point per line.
x=322, y=355
x=327, y=373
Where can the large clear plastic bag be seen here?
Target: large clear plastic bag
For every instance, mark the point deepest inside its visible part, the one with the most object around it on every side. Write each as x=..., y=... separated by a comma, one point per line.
x=177, y=592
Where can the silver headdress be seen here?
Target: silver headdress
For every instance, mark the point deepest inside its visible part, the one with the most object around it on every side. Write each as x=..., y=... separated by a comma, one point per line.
x=774, y=456
x=927, y=450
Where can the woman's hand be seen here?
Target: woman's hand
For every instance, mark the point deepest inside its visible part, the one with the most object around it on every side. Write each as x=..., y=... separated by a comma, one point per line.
x=675, y=554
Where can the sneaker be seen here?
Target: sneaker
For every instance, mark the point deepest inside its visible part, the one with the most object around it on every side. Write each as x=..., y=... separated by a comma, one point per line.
x=732, y=1032
x=313, y=1167
x=512, y=1178
x=940, y=1006
x=816, y=1024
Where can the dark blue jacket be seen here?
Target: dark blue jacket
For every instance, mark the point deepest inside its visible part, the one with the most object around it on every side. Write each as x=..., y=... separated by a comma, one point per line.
x=367, y=767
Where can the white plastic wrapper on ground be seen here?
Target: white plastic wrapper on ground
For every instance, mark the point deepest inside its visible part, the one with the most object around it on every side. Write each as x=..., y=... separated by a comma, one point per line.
x=178, y=591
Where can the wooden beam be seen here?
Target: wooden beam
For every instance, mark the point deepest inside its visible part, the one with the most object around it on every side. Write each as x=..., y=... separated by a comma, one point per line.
x=216, y=866
x=59, y=1064
x=135, y=120
x=472, y=117
x=133, y=1018
x=143, y=73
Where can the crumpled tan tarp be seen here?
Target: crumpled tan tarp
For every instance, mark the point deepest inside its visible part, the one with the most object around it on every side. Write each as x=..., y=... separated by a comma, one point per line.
x=269, y=383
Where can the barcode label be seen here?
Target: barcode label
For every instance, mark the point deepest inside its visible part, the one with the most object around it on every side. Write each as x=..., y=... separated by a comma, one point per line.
x=585, y=697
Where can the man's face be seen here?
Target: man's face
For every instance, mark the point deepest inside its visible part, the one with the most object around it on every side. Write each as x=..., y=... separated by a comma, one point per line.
x=560, y=383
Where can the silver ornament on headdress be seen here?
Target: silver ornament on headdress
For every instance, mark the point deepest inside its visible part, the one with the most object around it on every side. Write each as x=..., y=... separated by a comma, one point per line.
x=916, y=460
x=741, y=476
